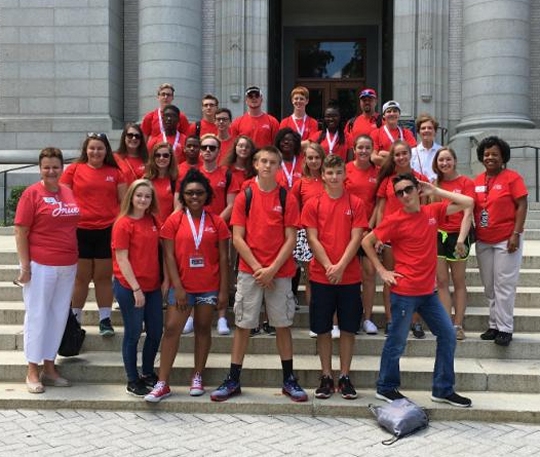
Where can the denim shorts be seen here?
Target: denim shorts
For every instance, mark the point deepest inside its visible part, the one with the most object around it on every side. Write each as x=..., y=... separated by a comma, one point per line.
x=199, y=298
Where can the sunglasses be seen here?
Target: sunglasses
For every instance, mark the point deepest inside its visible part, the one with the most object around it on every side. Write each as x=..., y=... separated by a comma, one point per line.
x=132, y=136
x=406, y=190
x=197, y=193
x=254, y=95
x=97, y=136
x=209, y=147
x=164, y=155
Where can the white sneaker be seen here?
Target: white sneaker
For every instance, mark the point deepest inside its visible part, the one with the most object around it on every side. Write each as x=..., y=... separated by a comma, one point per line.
x=335, y=332
x=188, y=328
x=369, y=327
x=197, y=388
x=223, y=327
x=312, y=334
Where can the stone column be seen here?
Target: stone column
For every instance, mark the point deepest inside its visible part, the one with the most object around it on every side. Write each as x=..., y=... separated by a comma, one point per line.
x=170, y=47
x=496, y=61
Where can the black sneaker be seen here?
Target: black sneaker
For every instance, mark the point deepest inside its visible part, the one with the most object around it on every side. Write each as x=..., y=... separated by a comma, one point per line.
x=255, y=331
x=390, y=395
x=137, y=388
x=453, y=399
x=418, y=331
x=105, y=327
x=326, y=388
x=387, y=328
x=150, y=380
x=490, y=334
x=346, y=388
x=503, y=338
x=268, y=329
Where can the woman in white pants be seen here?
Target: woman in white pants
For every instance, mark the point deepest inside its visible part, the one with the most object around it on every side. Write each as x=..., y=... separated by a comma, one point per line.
x=45, y=232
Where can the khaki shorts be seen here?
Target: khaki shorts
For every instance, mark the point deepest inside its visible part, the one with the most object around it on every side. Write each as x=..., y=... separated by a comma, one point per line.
x=279, y=301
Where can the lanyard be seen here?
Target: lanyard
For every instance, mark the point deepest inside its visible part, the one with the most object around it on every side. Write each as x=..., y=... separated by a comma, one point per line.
x=197, y=237
x=298, y=129
x=176, y=139
x=331, y=142
x=389, y=135
x=288, y=175
x=161, y=127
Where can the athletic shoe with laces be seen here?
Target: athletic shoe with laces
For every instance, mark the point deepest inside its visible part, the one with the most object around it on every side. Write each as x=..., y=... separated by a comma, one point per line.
x=223, y=326
x=418, y=331
x=369, y=327
x=226, y=390
x=390, y=395
x=326, y=388
x=160, y=391
x=490, y=334
x=197, y=388
x=137, y=388
x=293, y=389
x=453, y=399
x=346, y=388
x=336, y=332
x=255, y=331
x=188, y=327
x=150, y=380
x=268, y=329
x=105, y=327
x=312, y=334
x=503, y=339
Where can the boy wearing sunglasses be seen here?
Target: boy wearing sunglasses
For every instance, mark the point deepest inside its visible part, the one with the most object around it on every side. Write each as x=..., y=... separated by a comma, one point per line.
x=412, y=231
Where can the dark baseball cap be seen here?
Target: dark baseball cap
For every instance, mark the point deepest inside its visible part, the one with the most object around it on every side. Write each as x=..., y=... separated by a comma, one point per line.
x=253, y=90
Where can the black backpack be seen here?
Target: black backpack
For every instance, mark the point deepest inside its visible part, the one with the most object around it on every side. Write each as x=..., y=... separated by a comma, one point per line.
x=282, y=198
x=73, y=338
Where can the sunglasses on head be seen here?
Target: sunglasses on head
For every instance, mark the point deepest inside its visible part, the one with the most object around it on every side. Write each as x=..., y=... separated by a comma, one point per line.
x=191, y=193
x=97, y=136
x=132, y=136
x=406, y=190
x=162, y=155
x=209, y=147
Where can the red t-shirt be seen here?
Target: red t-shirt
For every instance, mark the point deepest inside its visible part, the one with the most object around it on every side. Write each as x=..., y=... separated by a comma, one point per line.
x=206, y=127
x=261, y=129
x=239, y=175
x=150, y=123
x=140, y=237
x=362, y=125
x=334, y=219
x=52, y=219
x=414, y=245
x=172, y=140
x=305, y=129
x=306, y=188
x=341, y=150
x=265, y=227
x=363, y=184
x=165, y=196
x=381, y=140
x=386, y=190
x=461, y=185
x=177, y=228
x=294, y=172
x=224, y=149
x=132, y=167
x=183, y=168
x=96, y=192
x=218, y=183
x=499, y=202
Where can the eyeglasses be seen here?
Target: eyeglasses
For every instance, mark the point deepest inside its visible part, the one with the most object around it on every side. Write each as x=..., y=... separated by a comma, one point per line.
x=222, y=119
x=196, y=193
x=165, y=94
x=406, y=190
x=164, y=155
x=133, y=136
x=209, y=147
x=97, y=136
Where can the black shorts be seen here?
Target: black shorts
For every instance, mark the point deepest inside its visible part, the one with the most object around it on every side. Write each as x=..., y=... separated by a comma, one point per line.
x=326, y=299
x=94, y=243
x=446, y=246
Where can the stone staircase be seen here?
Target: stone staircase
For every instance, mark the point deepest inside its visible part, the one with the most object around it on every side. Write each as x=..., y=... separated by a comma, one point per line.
x=504, y=383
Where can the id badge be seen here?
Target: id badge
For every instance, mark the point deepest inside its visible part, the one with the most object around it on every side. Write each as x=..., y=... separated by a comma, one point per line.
x=196, y=261
x=484, y=218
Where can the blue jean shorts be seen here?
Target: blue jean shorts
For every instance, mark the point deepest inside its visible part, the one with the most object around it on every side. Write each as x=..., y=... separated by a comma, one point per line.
x=199, y=298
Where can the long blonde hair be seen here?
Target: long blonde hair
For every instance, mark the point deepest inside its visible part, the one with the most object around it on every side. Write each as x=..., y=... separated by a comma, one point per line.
x=126, y=208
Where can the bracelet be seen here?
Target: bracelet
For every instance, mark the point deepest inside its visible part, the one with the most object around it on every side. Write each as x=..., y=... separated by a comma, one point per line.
x=136, y=290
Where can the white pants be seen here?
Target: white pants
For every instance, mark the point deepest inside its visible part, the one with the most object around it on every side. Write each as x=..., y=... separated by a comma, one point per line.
x=47, y=299
x=499, y=271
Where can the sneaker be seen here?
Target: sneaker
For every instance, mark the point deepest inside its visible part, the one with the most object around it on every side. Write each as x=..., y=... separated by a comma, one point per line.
x=490, y=334
x=105, y=327
x=255, y=331
x=453, y=399
x=326, y=388
x=460, y=334
x=346, y=388
x=196, y=389
x=268, y=329
x=387, y=328
x=160, y=391
x=137, y=388
x=226, y=390
x=188, y=327
x=293, y=390
x=503, y=338
x=418, y=331
x=150, y=380
x=390, y=395
x=312, y=334
x=369, y=327
x=336, y=333
x=223, y=326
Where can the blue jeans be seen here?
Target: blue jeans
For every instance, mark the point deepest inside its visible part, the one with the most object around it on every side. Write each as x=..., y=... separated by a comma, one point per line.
x=435, y=316
x=152, y=316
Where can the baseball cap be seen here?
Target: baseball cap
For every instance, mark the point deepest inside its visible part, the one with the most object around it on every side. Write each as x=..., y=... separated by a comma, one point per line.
x=253, y=89
x=368, y=93
x=391, y=104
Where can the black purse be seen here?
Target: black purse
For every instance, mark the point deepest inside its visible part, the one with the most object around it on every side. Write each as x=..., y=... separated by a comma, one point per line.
x=73, y=338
